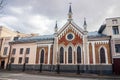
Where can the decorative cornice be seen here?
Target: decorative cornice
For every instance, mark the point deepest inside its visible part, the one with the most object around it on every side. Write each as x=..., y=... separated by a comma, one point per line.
x=99, y=42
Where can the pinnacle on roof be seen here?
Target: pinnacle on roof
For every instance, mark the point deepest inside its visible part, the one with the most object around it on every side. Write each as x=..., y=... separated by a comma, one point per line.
x=70, y=13
x=85, y=21
x=85, y=25
x=70, y=10
x=56, y=25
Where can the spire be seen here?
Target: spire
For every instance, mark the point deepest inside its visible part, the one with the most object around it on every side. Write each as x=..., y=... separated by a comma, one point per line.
x=70, y=10
x=70, y=13
x=85, y=25
x=56, y=27
x=85, y=21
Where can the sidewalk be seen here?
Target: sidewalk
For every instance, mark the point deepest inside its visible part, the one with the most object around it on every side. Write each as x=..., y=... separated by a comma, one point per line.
x=81, y=75
x=63, y=74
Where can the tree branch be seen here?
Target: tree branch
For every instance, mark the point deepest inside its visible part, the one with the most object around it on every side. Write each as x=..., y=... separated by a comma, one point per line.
x=2, y=3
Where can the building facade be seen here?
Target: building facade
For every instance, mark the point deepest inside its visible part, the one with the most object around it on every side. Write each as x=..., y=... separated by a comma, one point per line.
x=112, y=28
x=73, y=48
x=6, y=36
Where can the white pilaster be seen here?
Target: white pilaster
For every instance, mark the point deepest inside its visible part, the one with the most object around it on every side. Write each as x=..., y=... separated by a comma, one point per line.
x=88, y=56
x=55, y=51
x=93, y=51
x=49, y=53
x=84, y=49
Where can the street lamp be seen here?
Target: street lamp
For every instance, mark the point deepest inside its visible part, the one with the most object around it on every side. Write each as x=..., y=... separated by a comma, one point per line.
x=24, y=66
x=40, y=70
x=78, y=69
x=58, y=63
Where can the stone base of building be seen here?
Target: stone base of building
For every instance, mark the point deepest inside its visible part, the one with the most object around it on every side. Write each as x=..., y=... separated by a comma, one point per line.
x=95, y=69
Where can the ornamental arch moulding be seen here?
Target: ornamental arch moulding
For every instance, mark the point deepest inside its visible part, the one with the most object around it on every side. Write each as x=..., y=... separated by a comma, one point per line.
x=102, y=51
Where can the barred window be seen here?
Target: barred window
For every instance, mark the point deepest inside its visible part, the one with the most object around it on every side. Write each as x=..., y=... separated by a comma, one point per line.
x=20, y=60
x=27, y=50
x=78, y=54
x=5, y=51
x=27, y=60
x=61, y=55
x=21, y=50
x=42, y=56
x=14, y=51
x=70, y=54
x=12, y=60
x=102, y=55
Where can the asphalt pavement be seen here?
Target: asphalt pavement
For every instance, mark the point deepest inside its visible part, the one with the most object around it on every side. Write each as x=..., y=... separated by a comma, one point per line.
x=35, y=75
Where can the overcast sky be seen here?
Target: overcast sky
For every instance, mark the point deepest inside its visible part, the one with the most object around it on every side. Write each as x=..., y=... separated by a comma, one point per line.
x=39, y=16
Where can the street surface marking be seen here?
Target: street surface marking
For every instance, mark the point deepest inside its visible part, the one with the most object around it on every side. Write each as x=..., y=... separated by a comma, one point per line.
x=7, y=79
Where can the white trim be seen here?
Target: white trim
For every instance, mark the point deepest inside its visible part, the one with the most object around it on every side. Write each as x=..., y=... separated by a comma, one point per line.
x=93, y=51
x=62, y=45
x=67, y=27
x=49, y=46
x=106, y=56
x=80, y=45
x=84, y=49
x=88, y=53
x=72, y=53
x=43, y=45
x=100, y=42
x=68, y=34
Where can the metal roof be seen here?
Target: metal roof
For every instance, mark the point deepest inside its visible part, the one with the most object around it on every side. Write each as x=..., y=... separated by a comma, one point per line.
x=95, y=34
x=35, y=38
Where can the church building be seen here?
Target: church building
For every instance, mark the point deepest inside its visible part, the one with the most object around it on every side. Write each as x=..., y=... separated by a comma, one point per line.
x=72, y=47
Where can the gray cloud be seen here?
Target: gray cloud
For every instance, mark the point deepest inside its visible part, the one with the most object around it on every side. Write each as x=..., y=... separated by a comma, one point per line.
x=39, y=16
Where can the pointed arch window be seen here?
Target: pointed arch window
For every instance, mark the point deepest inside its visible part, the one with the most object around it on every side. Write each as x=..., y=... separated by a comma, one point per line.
x=42, y=56
x=78, y=54
x=102, y=55
x=70, y=54
x=61, y=55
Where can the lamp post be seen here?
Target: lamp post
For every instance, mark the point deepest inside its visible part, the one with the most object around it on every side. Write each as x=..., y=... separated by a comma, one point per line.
x=58, y=63
x=9, y=66
x=78, y=69
x=40, y=70
x=9, y=57
x=24, y=66
x=100, y=68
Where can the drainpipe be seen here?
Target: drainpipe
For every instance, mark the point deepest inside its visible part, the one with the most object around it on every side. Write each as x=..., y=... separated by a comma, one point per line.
x=110, y=49
x=9, y=57
x=0, y=51
x=111, y=55
x=24, y=64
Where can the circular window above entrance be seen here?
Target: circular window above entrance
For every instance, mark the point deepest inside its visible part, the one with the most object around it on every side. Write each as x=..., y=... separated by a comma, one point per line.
x=70, y=36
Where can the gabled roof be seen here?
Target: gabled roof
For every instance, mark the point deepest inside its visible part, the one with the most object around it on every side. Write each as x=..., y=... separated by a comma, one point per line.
x=73, y=24
x=35, y=38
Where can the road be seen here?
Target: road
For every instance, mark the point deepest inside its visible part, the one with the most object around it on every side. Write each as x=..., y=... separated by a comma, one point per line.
x=24, y=76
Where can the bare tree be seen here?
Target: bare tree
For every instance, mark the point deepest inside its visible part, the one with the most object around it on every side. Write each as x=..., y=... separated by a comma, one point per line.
x=2, y=4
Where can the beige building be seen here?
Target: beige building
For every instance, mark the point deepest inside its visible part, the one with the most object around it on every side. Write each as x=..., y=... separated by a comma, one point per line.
x=112, y=28
x=6, y=36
